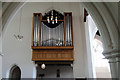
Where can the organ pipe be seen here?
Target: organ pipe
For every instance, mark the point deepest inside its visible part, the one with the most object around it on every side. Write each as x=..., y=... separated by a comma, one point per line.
x=68, y=30
x=36, y=29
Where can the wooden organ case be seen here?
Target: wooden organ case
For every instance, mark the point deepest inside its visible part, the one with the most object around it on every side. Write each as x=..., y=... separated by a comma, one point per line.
x=52, y=37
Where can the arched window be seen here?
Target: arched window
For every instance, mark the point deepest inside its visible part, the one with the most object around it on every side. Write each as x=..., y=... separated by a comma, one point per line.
x=15, y=72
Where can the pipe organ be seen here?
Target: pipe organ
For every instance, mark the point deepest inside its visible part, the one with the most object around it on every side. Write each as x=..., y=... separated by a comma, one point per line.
x=52, y=37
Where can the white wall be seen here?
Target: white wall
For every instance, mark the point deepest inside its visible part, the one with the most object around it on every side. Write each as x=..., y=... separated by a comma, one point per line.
x=20, y=52
x=79, y=42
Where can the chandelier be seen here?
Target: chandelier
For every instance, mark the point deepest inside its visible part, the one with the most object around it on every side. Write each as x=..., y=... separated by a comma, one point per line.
x=53, y=18
x=18, y=37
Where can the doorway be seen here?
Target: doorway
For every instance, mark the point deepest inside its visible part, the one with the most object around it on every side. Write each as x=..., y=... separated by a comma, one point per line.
x=15, y=72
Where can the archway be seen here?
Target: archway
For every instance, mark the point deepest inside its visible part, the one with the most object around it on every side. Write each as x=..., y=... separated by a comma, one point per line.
x=15, y=72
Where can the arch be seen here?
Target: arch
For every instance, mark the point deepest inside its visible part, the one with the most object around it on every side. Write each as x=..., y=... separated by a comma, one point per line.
x=15, y=72
x=100, y=24
x=12, y=9
x=110, y=24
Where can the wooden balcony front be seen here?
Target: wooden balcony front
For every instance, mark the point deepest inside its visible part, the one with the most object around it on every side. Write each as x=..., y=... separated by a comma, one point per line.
x=52, y=54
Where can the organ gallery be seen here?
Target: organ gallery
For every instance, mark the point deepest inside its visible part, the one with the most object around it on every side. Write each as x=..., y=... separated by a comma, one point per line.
x=52, y=38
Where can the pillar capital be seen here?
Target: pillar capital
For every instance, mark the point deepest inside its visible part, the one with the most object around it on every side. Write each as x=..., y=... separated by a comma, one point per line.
x=112, y=54
x=114, y=60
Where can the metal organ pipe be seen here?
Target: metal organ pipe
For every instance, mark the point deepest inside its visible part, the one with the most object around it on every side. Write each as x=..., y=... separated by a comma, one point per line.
x=45, y=30
x=70, y=32
x=41, y=33
x=49, y=36
x=46, y=36
x=67, y=24
x=56, y=30
x=34, y=31
x=42, y=38
x=38, y=26
x=56, y=36
x=53, y=37
x=62, y=34
x=59, y=32
x=66, y=28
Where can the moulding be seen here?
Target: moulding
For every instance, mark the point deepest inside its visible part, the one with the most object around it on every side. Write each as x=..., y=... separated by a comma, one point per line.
x=113, y=53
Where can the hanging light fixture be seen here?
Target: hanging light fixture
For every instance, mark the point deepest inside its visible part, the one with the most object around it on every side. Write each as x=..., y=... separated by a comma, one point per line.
x=43, y=66
x=53, y=18
x=19, y=37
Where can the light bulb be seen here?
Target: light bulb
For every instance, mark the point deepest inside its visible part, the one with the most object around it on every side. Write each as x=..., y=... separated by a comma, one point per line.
x=51, y=17
x=56, y=19
x=43, y=66
x=48, y=19
x=53, y=22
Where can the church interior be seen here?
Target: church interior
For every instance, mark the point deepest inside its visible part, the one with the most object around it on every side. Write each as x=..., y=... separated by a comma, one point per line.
x=71, y=40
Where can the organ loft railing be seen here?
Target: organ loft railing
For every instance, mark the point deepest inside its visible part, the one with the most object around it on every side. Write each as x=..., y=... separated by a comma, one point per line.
x=52, y=37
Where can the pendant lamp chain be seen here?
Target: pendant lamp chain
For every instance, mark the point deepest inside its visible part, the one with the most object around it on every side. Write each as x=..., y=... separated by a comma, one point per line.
x=19, y=37
x=20, y=20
